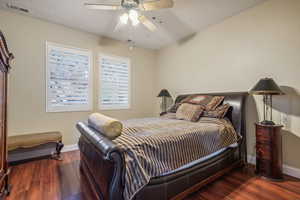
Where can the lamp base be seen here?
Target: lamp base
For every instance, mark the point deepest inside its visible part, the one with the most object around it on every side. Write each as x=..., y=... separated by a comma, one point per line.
x=267, y=122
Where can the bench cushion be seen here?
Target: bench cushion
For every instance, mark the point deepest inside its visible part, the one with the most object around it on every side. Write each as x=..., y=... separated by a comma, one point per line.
x=32, y=140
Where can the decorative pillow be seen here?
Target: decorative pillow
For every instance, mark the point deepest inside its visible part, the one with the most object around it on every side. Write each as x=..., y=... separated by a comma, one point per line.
x=209, y=102
x=214, y=103
x=190, y=112
x=197, y=99
x=109, y=127
x=174, y=108
x=219, y=112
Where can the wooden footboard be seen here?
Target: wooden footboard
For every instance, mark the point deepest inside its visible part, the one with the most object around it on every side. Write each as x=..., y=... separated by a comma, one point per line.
x=102, y=164
x=91, y=182
x=208, y=180
x=106, y=176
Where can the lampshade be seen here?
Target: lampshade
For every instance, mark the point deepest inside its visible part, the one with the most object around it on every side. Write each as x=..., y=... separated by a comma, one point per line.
x=266, y=86
x=164, y=93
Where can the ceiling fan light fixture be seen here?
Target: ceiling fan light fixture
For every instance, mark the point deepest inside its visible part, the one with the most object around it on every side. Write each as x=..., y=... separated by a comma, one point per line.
x=135, y=22
x=133, y=15
x=124, y=18
x=129, y=4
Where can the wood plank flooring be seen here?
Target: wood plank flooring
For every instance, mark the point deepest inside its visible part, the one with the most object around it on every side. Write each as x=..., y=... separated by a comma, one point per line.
x=61, y=180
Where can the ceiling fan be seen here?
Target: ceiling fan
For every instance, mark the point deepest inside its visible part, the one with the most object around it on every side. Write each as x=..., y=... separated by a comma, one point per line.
x=133, y=10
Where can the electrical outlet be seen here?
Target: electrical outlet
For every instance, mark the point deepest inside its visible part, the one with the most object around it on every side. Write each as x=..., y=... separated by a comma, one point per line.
x=285, y=121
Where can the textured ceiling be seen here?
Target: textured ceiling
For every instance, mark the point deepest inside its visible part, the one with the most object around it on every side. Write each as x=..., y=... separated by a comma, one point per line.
x=186, y=18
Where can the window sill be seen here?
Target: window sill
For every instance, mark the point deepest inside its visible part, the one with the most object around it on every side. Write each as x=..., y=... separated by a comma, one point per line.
x=114, y=108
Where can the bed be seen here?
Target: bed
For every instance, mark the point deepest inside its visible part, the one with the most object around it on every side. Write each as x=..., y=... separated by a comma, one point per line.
x=103, y=164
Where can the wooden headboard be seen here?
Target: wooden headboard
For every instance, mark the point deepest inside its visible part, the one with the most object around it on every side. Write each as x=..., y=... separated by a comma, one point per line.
x=236, y=114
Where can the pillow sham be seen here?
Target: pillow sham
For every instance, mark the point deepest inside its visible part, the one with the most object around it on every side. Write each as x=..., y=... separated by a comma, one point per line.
x=174, y=108
x=219, y=112
x=189, y=112
x=214, y=103
x=209, y=102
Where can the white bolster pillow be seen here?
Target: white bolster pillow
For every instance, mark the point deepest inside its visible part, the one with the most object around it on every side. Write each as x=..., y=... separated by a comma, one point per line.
x=110, y=127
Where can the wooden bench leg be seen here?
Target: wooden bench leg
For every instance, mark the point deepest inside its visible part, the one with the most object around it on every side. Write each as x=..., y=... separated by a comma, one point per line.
x=57, y=155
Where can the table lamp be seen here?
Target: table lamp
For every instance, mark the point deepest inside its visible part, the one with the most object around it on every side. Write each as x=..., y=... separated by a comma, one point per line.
x=164, y=94
x=266, y=87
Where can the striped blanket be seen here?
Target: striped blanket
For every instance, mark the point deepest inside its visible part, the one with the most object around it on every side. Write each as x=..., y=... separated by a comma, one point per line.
x=5, y=56
x=154, y=146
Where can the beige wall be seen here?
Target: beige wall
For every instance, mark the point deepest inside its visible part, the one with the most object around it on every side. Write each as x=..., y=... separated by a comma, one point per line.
x=26, y=37
x=231, y=56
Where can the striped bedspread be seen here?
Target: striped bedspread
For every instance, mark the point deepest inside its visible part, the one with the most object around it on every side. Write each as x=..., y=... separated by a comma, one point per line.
x=154, y=146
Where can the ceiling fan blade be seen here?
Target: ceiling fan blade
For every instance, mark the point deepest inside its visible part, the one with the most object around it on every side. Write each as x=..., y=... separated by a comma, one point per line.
x=118, y=26
x=156, y=5
x=96, y=6
x=147, y=23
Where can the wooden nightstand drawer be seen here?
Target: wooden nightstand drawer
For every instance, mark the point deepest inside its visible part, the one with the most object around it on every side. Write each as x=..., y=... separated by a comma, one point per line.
x=263, y=134
x=263, y=137
x=262, y=143
x=264, y=152
x=263, y=167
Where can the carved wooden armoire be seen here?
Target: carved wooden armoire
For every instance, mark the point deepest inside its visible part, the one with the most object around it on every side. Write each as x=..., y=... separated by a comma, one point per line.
x=5, y=58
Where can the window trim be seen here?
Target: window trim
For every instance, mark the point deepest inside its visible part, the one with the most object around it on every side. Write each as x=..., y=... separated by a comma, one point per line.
x=125, y=59
x=72, y=108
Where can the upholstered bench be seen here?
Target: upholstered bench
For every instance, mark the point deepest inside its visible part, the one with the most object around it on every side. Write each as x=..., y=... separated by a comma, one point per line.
x=23, y=148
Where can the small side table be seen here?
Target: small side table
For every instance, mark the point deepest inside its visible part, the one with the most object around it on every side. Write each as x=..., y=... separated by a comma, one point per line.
x=269, y=151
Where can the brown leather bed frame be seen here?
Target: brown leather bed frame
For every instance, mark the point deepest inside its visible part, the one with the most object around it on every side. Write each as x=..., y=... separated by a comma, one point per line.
x=103, y=165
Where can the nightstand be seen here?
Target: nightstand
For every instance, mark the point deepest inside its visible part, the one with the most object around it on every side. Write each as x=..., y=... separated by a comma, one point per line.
x=269, y=151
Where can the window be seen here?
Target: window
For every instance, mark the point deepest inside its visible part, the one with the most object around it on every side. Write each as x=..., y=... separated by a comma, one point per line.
x=114, y=83
x=69, y=81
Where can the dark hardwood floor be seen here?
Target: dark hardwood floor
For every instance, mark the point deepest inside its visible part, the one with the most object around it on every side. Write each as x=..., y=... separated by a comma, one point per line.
x=60, y=180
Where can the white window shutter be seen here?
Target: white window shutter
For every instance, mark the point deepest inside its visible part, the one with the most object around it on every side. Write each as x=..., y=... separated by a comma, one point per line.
x=69, y=84
x=114, y=82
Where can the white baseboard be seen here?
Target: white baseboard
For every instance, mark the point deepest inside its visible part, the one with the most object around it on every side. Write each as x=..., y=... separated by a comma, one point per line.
x=251, y=159
x=288, y=170
x=72, y=147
